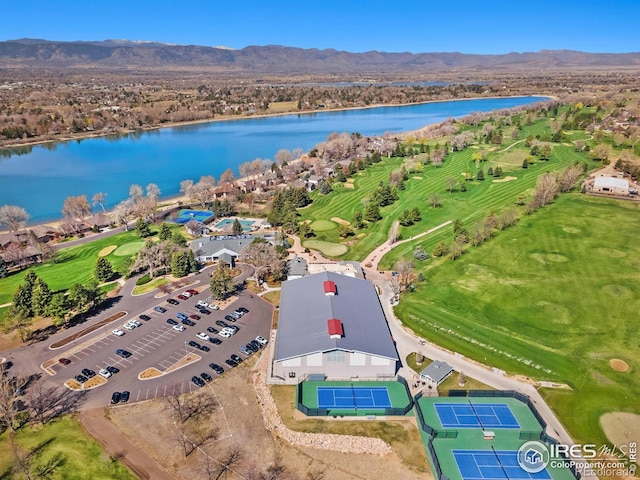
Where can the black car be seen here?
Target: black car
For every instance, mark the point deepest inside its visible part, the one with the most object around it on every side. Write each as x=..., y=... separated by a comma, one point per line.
x=159, y=309
x=193, y=343
x=204, y=311
x=112, y=370
x=212, y=330
x=173, y=301
x=229, y=318
x=198, y=381
x=243, y=310
x=231, y=363
x=188, y=322
x=88, y=373
x=253, y=346
x=215, y=340
x=216, y=368
x=81, y=378
x=124, y=396
x=123, y=353
x=146, y=318
x=171, y=321
x=234, y=328
x=203, y=348
x=115, y=398
x=222, y=323
x=236, y=358
x=206, y=377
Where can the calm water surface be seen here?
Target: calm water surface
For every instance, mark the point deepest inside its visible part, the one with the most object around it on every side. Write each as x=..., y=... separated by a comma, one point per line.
x=40, y=178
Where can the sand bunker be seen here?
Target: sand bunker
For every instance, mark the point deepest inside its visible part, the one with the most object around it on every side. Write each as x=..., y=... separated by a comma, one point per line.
x=621, y=427
x=349, y=185
x=505, y=179
x=340, y=221
x=107, y=250
x=418, y=178
x=619, y=365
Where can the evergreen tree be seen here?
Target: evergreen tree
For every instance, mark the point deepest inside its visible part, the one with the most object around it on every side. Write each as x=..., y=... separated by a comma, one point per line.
x=178, y=239
x=420, y=254
x=236, y=228
x=221, y=282
x=142, y=228
x=357, y=220
x=165, y=232
x=340, y=176
x=21, y=301
x=415, y=215
x=104, y=270
x=4, y=271
x=405, y=219
x=179, y=264
x=192, y=262
x=40, y=297
x=58, y=308
x=525, y=163
x=490, y=171
x=325, y=187
x=372, y=212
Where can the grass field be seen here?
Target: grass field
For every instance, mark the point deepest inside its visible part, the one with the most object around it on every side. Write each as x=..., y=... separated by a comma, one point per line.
x=64, y=439
x=76, y=264
x=327, y=248
x=555, y=297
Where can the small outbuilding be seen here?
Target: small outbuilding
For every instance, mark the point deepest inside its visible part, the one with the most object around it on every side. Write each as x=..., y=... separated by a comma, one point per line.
x=611, y=185
x=436, y=373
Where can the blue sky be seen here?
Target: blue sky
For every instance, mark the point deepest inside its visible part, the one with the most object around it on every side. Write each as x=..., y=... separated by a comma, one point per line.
x=468, y=26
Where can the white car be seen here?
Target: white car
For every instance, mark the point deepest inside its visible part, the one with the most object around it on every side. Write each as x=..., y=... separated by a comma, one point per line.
x=213, y=306
x=203, y=336
x=104, y=373
x=202, y=303
x=186, y=294
x=135, y=323
x=261, y=340
x=118, y=333
x=179, y=328
x=129, y=326
x=225, y=333
x=229, y=330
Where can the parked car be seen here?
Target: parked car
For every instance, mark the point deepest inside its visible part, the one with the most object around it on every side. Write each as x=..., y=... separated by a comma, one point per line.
x=179, y=328
x=212, y=330
x=230, y=318
x=202, y=303
x=171, y=321
x=159, y=309
x=198, y=381
x=202, y=336
x=233, y=329
x=192, y=291
x=124, y=396
x=203, y=348
x=231, y=362
x=193, y=343
x=123, y=353
x=146, y=318
x=253, y=345
x=135, y=323
x=195, y=317
x=182, y=297
x=64, y=361
x=206, y=377
x=221, y=323
x=81, y=378
x=243, y=310
x=173, y=301
x=236, y=358
x=186, y=294
x=104, y=373
x=181, y=316
x=115, y=398
x=215, y=341
x=216, y=368
x=113, y=370
x=128, y=326
x=88, y=373
x=204, y=311
x=213, y=306
x=225, y=334
x=261, y=340
x=188, y=322
x=245, y=350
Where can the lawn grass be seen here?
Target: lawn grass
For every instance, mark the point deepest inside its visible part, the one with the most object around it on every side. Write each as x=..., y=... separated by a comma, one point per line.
x=555, y=297
x=401, y=434
x=74, y=264
x=81, y=457
x=150, y=286
x=329, y=249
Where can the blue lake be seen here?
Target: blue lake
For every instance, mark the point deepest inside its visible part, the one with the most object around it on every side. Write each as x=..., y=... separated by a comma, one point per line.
x=40, y=178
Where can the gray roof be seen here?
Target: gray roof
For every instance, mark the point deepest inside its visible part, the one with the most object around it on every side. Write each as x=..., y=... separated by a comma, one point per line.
x=305, y=310
x=437, y=371
x=207, y=246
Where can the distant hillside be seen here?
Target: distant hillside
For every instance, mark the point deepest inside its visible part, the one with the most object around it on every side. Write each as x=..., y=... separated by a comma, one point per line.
x=273, y=59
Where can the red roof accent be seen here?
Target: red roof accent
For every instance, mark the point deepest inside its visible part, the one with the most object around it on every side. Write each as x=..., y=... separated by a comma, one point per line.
x=329, y=287
x=335, y=327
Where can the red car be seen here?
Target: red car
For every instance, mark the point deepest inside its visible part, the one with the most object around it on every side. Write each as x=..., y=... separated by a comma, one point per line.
x=64, y=361
x=182, y=297
x=192, y=291
x=195, y=317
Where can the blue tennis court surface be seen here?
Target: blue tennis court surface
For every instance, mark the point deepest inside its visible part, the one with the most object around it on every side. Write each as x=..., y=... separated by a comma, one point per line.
x=477, y=415
x=353, y=397
x=493, y=465
x=185, y=216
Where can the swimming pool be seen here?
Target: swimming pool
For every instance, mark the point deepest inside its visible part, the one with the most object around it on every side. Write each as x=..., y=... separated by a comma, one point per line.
x=227, y=222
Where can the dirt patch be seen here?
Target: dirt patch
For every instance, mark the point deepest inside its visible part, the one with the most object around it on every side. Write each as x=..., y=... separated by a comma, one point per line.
x=621, y=428
x=619, y=366
x=183, y=362
x=152, y=372
x=340, y=221
x=107, y=250
x=94, y=382
x=505, y=179
x=86, y=331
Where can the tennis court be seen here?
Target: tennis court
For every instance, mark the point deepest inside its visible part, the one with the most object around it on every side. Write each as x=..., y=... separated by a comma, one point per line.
x=353, y=397
x=185, y=216
x=493, y=465
x=469, y=415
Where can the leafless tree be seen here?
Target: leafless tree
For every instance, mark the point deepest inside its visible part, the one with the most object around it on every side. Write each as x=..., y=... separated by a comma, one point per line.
x=394, y=285
x=13, y=217
x=23, y=458
x=227, y=176
x=185, y=186
x=189, y=407
x=76, y=207
x=406, y=276
x=456, y=249
x=232, y=458
x=451, y=183
x=9, y=396
x=437, y=157
x=42, y=400
x=135, y=192
x=568, y=177
x=264, y=258
x=283, y=156
x=434, y=200
x=99, y=199
x=123, y=212
x=545, y=191
x=393, y=234
x=153, y=192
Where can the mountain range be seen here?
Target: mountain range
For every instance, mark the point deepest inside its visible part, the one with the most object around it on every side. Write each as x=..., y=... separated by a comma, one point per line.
x=275, y=59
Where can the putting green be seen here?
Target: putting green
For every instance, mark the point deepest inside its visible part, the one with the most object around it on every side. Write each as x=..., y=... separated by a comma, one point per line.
x=323, y=225
x=128, y=249
x=327, y=248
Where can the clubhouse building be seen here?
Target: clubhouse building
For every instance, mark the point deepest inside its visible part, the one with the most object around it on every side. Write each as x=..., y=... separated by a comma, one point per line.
x=332, y=326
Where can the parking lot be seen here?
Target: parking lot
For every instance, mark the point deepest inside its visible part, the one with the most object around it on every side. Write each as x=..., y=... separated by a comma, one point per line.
x=156, y=344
